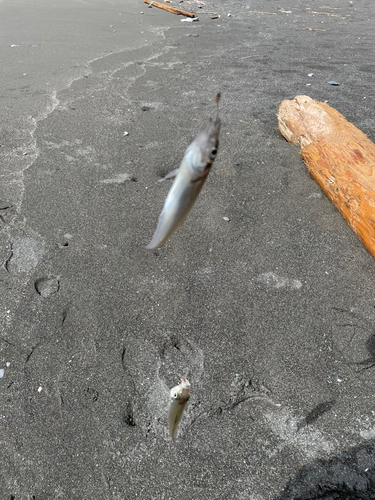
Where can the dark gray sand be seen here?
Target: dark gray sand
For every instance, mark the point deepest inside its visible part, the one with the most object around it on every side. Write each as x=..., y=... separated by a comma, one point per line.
x=270, y=314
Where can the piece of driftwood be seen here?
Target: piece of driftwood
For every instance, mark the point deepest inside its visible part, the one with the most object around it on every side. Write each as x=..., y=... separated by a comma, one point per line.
x=174, y=10
x=339, y=157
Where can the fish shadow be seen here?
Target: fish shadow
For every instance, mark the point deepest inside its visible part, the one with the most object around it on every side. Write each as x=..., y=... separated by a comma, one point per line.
x=315, y=413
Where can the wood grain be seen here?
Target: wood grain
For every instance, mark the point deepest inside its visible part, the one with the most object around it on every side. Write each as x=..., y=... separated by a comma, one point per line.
x=168, y=8
x=339, y=157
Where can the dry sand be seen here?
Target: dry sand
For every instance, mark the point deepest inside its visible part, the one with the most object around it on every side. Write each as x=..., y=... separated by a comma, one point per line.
x=270, y=314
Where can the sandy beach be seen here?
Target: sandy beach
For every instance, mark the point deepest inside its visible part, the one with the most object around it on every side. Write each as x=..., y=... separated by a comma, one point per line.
x=264, y=299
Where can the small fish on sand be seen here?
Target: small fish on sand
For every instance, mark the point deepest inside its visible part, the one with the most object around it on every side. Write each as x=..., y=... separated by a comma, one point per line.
x=178, y=401
x=190, y=177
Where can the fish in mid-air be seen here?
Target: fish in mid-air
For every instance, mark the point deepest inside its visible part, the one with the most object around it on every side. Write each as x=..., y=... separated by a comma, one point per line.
x=190, y=177
x=178, y=401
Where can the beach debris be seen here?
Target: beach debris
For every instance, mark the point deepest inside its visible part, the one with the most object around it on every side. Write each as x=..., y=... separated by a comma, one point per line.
x=179, y=397
x=308, y=84
x=310, y=75
x=227, y=219
x=126, y=133
x=313, y=29
x=119, y=179
x=13, y=45
x=189, y=179
x=1, y=372
x=339, y=156
x=169, y=8
x=215, y=17
x=190, y=19
x=261, y=12
x=333, y=82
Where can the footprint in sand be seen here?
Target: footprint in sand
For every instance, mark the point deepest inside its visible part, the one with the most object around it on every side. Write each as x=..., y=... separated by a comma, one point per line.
x=150, y=372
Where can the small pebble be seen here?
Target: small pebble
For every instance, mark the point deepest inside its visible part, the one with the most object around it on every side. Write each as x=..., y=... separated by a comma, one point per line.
x=308, y=84
x=7, y=364
x=310, y=74
x=1, y=373
x=126, y=133
x=333, y=82
x=226, y=219
x=236, y=163
x=40, y=389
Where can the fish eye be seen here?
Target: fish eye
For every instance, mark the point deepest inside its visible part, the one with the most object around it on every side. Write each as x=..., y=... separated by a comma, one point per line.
x=214, y=151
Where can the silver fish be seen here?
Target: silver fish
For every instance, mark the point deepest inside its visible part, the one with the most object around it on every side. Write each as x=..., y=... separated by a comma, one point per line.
x=178, y=402
x=190, y=177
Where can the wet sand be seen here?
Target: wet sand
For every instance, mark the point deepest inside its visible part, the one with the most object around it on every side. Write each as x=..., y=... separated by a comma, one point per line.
x=269, y=314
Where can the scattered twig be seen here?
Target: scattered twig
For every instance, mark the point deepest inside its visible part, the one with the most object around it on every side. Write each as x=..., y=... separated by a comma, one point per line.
x=313, y=29
x=259, y=12
x=174, y=10
x=329, y=14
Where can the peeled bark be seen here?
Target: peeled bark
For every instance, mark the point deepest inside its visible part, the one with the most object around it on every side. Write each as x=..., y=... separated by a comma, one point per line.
x=339, y=157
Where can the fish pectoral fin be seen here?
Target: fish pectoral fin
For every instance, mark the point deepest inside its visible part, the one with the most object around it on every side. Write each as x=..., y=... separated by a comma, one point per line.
x=170, y=175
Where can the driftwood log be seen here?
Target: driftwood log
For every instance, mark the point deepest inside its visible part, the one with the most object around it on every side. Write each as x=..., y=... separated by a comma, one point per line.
x=339, y=157
x=168, y=8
